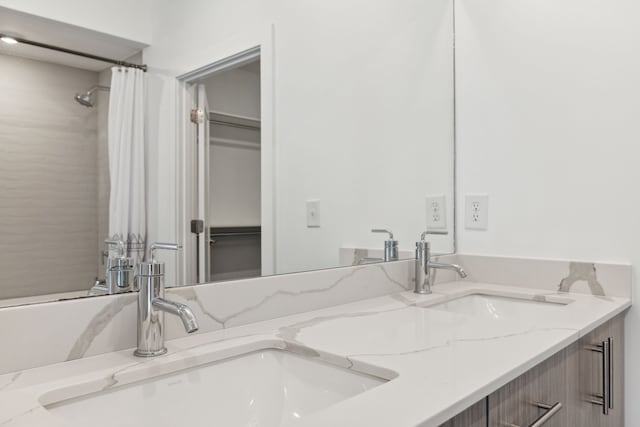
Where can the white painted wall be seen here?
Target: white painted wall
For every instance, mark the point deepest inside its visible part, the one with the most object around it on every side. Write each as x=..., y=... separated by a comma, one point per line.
x=363, y=106
x=548, y=97
x=122, y=18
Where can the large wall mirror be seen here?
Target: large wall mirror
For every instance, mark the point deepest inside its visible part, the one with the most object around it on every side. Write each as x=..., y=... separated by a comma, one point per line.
x=261, y=155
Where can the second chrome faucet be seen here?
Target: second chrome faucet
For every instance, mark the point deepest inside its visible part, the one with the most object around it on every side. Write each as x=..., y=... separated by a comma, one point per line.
x=424, y=265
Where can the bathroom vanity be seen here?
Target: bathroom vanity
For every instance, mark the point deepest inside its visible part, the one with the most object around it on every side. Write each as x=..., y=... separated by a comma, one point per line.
x=294, y=152
x=468, y=354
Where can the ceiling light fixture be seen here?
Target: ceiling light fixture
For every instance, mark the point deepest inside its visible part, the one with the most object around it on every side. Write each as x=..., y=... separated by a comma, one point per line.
x=8, y=40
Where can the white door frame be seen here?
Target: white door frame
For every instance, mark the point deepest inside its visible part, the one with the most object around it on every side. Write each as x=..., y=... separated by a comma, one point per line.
x=203, y=162
x=185, y=130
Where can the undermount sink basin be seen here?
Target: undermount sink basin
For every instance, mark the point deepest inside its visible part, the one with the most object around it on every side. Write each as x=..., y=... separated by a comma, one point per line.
x=497, y=307
x=266, y=388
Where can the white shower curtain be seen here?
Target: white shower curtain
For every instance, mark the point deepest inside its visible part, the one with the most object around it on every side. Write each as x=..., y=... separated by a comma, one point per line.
x=127, y=201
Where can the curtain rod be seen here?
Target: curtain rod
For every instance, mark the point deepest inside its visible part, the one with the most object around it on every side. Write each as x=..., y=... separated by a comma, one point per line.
x=77, y=53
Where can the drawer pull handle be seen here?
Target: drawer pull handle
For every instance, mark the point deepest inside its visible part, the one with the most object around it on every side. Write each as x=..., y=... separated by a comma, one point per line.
x=550, y=411
x=605, y=398
x=610, y=370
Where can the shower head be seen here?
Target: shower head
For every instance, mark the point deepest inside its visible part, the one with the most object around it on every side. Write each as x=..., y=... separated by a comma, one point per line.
x=86, y=98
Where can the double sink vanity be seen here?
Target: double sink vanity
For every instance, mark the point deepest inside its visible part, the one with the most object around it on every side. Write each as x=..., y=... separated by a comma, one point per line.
x=275, y=151
x=470, y=353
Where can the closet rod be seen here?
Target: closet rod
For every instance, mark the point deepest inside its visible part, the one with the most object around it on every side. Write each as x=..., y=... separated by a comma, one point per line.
x=230, y=234
x=233, y=125
x=77, y=53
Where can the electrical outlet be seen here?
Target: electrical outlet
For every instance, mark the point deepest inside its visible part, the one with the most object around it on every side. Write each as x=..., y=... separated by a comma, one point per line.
x=436, y=212
x=313, y=213
x=476, y=212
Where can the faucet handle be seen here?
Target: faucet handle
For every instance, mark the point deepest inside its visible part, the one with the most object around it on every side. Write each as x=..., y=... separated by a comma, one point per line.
x=158, y=245
x=438, y=232
x=382, y=230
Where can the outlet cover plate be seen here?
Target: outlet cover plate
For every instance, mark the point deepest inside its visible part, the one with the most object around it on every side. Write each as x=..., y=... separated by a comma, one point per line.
x=436, y=212
x=476, y=212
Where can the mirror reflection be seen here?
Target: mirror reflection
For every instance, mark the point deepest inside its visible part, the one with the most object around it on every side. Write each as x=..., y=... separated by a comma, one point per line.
x=299, y=153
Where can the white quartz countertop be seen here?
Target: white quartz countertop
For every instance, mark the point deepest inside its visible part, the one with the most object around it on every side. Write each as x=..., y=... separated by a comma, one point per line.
x=438, y=362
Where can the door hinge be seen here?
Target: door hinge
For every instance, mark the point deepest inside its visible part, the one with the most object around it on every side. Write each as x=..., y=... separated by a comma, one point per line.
x=197, y=226
x=197, y=116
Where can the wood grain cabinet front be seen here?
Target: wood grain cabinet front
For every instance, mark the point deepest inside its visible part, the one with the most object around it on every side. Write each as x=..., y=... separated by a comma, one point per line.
x=600, y=400
x=541, y=396
x=582, y=385
x=474, y=416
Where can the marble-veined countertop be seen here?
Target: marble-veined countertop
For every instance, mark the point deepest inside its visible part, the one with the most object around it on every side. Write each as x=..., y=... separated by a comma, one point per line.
x=438, y=362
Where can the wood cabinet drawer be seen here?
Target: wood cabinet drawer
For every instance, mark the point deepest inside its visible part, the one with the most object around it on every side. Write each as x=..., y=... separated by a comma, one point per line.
x=547, y=384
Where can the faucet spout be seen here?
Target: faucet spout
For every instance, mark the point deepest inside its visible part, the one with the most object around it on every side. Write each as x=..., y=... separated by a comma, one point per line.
x=453, y=267
x=182, y=311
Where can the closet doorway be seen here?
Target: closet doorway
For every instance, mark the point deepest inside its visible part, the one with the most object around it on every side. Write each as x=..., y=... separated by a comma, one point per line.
x=227, y=230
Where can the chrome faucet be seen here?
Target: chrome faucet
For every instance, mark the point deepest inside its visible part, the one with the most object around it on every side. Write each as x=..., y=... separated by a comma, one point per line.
x=152, y=305
x=390, y=249
x=390, y=245
x=424, y=265
x=120, y=271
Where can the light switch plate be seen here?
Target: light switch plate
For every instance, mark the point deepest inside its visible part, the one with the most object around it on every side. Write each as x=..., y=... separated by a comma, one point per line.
x=436, y=212
x=476, y=213
x=313, y=213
